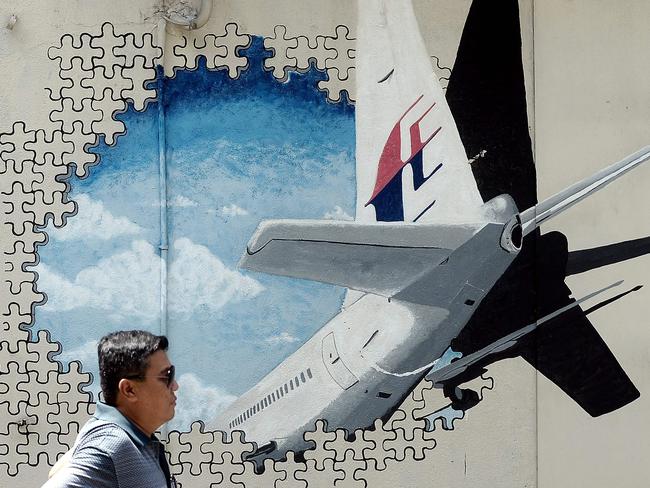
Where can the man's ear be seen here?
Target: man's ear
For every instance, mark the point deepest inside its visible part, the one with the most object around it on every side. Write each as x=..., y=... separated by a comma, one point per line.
x=128, y=390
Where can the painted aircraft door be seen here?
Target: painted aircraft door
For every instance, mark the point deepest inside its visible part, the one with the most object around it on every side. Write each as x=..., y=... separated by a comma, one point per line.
x=335, y=365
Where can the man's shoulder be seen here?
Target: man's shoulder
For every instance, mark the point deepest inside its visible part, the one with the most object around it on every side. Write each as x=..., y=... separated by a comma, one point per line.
x=105, y=436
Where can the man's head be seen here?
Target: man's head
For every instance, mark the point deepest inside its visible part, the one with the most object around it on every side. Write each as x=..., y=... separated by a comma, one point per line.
x=137, y=377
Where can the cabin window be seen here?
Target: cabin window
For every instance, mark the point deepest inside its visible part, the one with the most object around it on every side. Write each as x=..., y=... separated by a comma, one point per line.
x=273, y=397
x=297, y=380
x=309, y=373
x=286, y=388
x=302, y=377
x=291, y=383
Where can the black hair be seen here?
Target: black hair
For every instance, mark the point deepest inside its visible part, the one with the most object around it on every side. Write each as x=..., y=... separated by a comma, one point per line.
x=125, y=353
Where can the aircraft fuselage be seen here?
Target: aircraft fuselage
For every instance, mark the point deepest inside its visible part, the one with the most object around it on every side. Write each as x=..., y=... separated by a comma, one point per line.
x=361, y=364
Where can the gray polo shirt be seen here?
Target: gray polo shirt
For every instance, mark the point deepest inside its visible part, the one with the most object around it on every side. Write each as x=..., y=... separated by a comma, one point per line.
x=111, y=452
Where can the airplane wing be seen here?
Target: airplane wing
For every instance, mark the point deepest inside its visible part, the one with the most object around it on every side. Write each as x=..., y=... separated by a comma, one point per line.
x=533, y=217
x=582, y=373
x=411, y=164
x=379, y=258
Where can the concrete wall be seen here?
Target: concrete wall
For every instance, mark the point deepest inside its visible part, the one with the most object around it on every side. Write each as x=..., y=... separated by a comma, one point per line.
x=74, y=75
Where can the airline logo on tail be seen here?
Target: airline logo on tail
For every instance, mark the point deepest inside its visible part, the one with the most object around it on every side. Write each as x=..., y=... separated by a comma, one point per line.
x=406, y=140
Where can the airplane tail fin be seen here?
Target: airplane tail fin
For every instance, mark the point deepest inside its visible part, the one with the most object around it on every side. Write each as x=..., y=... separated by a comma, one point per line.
x=533, y=217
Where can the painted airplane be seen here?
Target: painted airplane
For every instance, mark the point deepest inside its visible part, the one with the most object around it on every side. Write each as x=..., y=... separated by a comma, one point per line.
x=424, y=252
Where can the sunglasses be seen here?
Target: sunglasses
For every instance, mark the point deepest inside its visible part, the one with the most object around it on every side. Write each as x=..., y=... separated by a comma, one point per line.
x=167, y=377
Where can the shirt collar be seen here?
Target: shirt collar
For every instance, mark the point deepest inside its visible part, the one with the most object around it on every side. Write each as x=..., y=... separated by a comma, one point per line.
x=113, y=415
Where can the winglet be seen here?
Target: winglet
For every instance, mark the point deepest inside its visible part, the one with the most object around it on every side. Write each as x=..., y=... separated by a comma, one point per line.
x=534, y=216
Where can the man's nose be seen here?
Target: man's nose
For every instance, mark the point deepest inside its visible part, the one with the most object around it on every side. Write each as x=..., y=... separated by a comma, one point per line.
x=175, y=385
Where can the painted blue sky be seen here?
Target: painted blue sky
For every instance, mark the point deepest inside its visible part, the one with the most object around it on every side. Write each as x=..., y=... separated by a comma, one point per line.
x=239, y=151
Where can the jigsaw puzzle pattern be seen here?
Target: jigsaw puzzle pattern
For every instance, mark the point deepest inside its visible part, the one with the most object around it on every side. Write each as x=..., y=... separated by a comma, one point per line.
x=43, y=403
x=333, y=54
x=201, y=458
x=221, y=51
x=99, y=73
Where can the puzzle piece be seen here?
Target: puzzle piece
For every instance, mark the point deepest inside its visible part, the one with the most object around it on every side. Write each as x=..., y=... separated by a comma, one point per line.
x=108, y=125
x=141, y=77
x=310, y=51
x=267, y=478
x=109, y=43
x=138, y=45
x=175, y=448
x=75, y=47
x=10, y=454
x=319, y=437
x=13, y=327
x=233, y=42
x=280, y=61
x=290, y=467
x=68, y=114
x=10, y=394
x=76, y=90
x=71, y=393
x=53, y=177
x=82, y=142
x=196, y=458
x=191, y=49
x=377, y=455
x=340, y=68
x=325, y=475
x=229, y=469
x=343, y=45
x=341, y=445
x=41, y=412
x=100, y=82
x=49, y=144
x=17, y=140
x=352, y=468
x=335, y=87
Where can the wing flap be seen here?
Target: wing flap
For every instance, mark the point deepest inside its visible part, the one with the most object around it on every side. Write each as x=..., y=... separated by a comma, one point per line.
x=378, y=258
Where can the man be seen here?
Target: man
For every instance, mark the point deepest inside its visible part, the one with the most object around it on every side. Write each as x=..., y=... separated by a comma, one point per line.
x=117, y=447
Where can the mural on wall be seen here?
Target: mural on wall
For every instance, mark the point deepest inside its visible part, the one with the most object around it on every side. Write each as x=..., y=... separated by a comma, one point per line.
x=410, y=284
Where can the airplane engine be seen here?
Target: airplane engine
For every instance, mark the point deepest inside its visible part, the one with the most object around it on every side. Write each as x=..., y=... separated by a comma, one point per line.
x=512, y=235
x=500, y=209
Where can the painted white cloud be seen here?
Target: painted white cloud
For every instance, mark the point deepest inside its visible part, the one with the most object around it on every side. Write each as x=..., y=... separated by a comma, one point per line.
x=282, y=338
x=94, y=221
x=337, y=214
x=181, y=201
x=197, y=401
x=127, y=284
x=233, y=210
x=86, y=353
x=199, y=278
